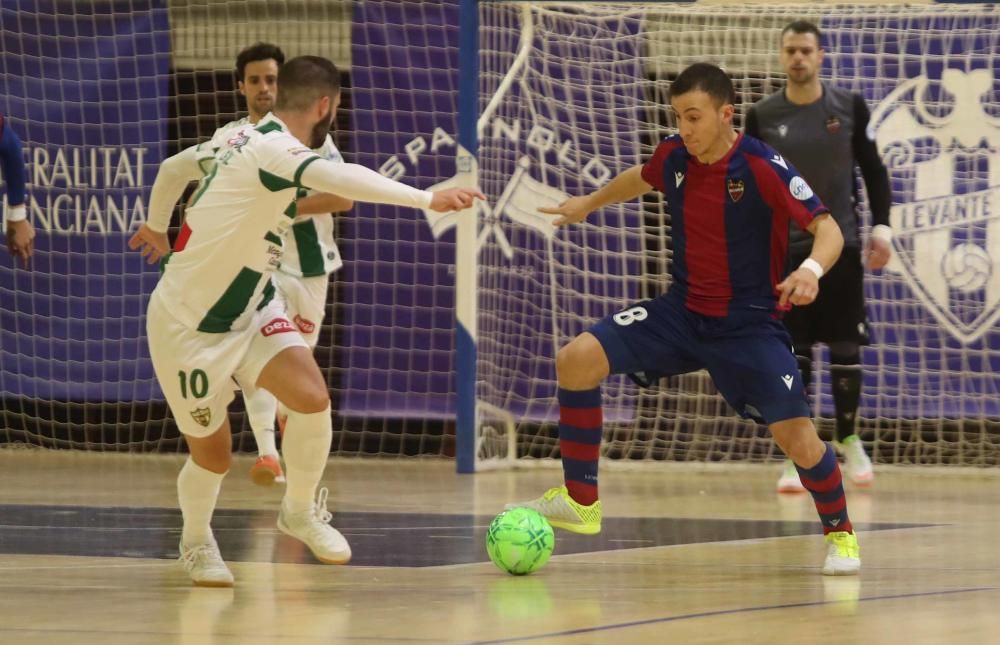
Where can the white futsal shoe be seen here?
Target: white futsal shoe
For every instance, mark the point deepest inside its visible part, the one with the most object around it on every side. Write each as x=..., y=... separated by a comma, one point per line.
x=859, y=466
x=789, y=481
x=205, y=565
x=843, y=556
x=313, y=528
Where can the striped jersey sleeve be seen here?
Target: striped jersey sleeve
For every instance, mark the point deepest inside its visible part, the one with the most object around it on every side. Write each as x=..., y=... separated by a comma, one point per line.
x=654, y=170
x=784, y=189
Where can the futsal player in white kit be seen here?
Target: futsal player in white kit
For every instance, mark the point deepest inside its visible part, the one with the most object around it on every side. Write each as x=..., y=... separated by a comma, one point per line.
x=311, y=253
x=212, y=317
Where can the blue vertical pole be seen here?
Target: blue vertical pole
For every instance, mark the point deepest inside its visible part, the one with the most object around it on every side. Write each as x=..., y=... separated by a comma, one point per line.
x=466, y=301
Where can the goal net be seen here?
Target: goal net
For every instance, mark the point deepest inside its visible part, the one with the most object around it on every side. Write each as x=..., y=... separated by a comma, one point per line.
x=573, y=93
x=570, y=94
x=100, y=94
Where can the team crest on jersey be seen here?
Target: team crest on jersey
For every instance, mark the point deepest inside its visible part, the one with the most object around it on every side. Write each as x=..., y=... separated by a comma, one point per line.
x=833, y=125
x=202, y=416
x=782, y=130
x=735, y=188
x=277, y=326
x=944, y=217
x=240, y=140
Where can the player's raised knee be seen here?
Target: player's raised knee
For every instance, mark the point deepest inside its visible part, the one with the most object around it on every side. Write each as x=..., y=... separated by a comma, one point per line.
x=568, y=358
x=581, y=363
x=310, y=398
x=797, y=438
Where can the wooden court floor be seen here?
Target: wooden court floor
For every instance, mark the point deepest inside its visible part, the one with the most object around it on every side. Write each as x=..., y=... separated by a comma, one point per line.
x=687, y=556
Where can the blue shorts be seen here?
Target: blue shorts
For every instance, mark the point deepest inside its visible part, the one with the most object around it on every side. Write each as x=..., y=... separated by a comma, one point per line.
x=748, y=354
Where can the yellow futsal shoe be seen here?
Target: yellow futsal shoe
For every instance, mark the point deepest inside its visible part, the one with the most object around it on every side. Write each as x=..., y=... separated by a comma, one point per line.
x=563, y=512
x=843, y=556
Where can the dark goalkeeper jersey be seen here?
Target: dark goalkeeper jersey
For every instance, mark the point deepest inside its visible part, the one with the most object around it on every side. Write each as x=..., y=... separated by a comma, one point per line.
x=729, y=222
x=824, y=140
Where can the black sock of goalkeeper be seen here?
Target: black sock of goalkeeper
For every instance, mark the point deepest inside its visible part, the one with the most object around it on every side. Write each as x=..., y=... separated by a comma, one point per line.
x=845, y=376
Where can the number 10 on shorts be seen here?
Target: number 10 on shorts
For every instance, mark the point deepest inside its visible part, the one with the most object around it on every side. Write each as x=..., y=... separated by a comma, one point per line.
x=197, y=381
x=629, y=316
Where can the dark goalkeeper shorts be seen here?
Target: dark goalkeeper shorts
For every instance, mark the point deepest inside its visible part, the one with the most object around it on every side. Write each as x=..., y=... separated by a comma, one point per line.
x=838, y=313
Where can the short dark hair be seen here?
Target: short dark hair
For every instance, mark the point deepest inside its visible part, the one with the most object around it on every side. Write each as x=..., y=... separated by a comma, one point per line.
x=708, y=78
x=256, y=52
x=304, y=79
x=803, y=27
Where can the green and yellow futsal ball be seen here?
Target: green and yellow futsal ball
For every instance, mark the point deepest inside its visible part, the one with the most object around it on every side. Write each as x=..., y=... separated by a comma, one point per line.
x=520, y=541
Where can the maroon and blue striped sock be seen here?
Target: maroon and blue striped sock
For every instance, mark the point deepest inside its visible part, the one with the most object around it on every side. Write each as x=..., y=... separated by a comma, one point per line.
x=580, y=427
x=825, y=484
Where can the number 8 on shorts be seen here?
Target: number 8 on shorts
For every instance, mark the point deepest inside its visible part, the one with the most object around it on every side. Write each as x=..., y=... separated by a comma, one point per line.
x=631, y=315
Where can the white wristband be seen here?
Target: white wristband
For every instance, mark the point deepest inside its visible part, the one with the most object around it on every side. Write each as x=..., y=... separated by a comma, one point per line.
x=813, y=266
x=882, y=232
x=16, y=213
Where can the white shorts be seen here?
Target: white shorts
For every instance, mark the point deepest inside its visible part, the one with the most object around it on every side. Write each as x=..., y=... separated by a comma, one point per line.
x=304, y=300
x=197, y=371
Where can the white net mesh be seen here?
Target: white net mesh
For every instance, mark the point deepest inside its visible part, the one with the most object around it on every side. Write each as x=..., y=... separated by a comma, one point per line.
x=103, y=93
x=588, y=96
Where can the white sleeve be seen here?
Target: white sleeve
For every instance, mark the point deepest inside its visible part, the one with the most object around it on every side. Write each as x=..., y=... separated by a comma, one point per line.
x=360, y=184
x=172, y=178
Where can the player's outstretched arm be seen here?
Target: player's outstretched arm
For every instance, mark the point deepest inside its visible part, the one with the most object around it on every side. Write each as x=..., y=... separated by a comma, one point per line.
x=625, y=187
x=172, y=178
x=802, y=285
x=454, y=199
x=828, y=241
x=322, y=204
x=364, y=185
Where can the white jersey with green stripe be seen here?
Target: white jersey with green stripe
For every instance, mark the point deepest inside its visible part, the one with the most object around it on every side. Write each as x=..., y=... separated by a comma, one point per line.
x=231, y=241
x=205, y=151
x=310, y=247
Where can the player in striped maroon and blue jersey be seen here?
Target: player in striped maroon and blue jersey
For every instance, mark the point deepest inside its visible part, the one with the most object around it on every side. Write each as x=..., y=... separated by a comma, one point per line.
x=731, y=199
x=20, y=232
